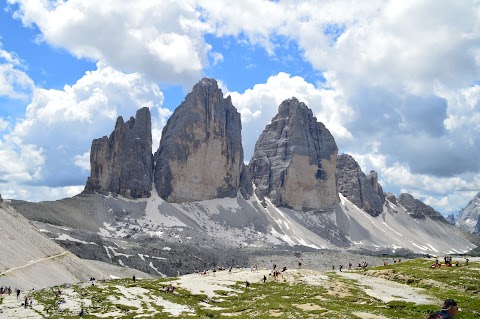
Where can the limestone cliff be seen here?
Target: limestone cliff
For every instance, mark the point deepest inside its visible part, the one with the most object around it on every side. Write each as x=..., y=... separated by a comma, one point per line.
x=365, y=192
x=201, y=155
x=294, y=160
x=123, y=163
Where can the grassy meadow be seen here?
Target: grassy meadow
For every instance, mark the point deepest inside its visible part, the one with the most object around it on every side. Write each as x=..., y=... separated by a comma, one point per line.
x=333, y=296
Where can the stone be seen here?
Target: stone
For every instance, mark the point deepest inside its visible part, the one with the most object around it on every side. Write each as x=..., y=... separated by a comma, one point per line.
x=364, y=192
x=122, y=164
x=200, y=155
x=418, y=209
x=294, y=160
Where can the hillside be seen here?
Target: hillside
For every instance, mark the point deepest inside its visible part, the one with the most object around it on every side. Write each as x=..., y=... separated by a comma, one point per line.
x=30, y=259
x=164, y=238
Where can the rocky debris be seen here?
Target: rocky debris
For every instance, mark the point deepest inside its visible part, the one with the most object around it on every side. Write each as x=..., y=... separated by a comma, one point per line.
x=469, y=217
x=365, y=192
x=123, y=163
x=417, y=209
x=391, y=198
x=294, y=160
x=201, y=155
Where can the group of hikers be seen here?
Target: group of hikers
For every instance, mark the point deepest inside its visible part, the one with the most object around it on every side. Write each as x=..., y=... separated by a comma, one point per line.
x=27, y=301
x=448, y=262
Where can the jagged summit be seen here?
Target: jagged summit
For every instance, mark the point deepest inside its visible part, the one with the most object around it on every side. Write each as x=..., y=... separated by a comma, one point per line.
x=363, y=191
x=123, y=163
x=200, y=154
x=417, y=209
x=294, y=160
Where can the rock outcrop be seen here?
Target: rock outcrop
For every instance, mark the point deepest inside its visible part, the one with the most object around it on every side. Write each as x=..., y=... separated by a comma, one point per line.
x=123, y=163
x=201, y=155
x=418, y=209
x=294, y=160
x=469, y=217
x=365, y=192
x=391, y=198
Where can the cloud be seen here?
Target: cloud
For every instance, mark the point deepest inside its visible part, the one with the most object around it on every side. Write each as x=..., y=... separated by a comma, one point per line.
x=14, y=82
x=162, y=39
x=47, y=147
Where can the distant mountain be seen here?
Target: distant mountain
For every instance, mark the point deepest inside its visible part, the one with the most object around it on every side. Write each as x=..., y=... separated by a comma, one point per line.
x=294, y=160
x=417, y=209
x=469, y=217
x=191, y=206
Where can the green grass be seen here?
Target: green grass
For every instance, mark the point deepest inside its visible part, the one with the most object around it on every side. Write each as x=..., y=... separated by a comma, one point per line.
x=337, y=297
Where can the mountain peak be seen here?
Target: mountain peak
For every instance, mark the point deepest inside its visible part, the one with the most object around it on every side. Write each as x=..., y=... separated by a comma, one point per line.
x=294, y=159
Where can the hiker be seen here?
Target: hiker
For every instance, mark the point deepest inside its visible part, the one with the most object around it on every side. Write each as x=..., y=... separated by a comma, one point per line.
x=18, y=293
x=349, y=266
x=341, y=267
x=26, y=301
x=299, y=265
x=264, y=279
x=10, y=289
x=247, y=284
x=466, y=261
x=449, y=310
x=133, y=278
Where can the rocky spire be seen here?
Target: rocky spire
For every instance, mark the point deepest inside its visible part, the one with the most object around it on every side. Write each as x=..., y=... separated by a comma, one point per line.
x=123, y=163
x=294, y=160
x=418, y=209
x=200, y=155
x=365, y=192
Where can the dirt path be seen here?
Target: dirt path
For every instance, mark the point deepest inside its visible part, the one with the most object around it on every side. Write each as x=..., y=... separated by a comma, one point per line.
x=33, y=262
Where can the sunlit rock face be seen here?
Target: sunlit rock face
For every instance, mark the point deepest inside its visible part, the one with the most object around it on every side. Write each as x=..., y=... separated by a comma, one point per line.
x=123, y=163
x=200, y=155
x=363, y=191
x=294, y=160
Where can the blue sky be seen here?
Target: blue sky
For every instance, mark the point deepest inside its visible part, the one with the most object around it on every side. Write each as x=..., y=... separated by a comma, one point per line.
x=397, y=83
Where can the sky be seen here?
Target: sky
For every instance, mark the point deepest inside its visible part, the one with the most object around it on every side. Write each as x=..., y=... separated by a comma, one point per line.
x=397, y=83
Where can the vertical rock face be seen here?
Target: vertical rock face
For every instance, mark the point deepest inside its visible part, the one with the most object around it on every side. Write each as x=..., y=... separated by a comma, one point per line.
x=123, y=163
x=469, y=217
x=417, y=209
x=200, y=155
x=294, y=160
x=365, y=192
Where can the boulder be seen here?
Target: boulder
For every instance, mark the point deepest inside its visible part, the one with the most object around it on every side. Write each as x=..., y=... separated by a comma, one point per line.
x=294, y=160
x=123, y=163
